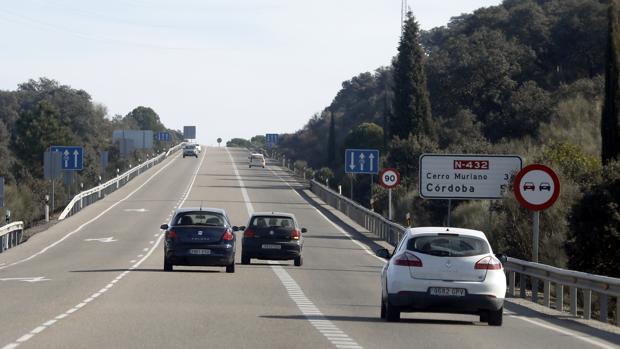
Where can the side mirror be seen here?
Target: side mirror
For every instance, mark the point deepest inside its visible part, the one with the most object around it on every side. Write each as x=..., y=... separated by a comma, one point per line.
x=164, y=227
x=304, y=230
x=235, y=228
x=383, y=253
x=502, y=257
x=242, y=228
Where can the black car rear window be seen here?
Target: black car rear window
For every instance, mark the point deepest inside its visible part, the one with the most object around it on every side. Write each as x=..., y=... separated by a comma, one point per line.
x=212, y=219
x=448, y=245
x=272, y=222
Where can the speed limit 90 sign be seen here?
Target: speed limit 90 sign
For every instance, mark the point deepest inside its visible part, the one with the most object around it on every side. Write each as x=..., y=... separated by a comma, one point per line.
x=389, y=178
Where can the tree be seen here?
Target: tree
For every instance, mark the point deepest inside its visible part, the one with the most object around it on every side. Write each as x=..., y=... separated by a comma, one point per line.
x=594, y=238
x=412, y=108
x=146, y=118
x=331, y=140
x=610, y=121
x=365, y=136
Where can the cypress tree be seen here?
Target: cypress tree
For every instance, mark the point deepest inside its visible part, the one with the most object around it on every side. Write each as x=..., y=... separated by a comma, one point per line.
x=412, y=107
x=610, y=121
x=331, y=141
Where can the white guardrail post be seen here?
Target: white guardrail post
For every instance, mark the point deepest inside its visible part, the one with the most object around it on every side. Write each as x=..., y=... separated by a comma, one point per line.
x=11, y=235
x=93, y=195
x=554, y=280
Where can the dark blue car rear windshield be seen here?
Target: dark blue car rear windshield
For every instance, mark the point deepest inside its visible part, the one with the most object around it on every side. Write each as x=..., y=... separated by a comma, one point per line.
x=211, y=219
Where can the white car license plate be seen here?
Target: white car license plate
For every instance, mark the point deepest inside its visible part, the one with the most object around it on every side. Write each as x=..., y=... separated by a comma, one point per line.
x=271, y=247
x=199, y=251
x=447, y=291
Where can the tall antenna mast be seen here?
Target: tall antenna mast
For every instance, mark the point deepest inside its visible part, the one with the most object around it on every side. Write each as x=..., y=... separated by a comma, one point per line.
x=403, y=14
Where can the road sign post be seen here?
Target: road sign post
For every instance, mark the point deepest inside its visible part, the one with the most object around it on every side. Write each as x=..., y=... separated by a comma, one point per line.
x=536, y=188
x=389, y=178
x=1, y=192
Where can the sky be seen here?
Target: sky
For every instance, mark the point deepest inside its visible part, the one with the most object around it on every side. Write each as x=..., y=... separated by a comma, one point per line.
x=230, y=68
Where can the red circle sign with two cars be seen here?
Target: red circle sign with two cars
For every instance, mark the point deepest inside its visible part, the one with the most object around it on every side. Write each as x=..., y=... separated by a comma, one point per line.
x=536, y=187
x=389, y=178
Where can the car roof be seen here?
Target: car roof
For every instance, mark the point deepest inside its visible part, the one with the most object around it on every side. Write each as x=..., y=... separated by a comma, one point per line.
x=199, y=209
x=444, y=230
x=274, y=214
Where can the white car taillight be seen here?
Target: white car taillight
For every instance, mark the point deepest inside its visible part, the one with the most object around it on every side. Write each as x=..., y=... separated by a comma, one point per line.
x=488, y=263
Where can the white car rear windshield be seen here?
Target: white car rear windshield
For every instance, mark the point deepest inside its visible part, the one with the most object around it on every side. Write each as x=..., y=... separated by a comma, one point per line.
x=448, y=245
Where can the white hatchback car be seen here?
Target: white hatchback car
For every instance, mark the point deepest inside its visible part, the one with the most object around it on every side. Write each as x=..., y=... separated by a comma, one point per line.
x=447, y=270
x=256, y=160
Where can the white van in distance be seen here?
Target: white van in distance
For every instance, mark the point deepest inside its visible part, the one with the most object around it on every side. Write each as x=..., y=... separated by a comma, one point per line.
x=257, y=160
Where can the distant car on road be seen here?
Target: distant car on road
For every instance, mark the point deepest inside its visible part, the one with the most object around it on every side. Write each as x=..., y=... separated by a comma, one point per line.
x=200, y=237
x=190, y=150
x=273, y=236
x=257, y=159
x=544, y=186
x=529, y=186
x=449, y=270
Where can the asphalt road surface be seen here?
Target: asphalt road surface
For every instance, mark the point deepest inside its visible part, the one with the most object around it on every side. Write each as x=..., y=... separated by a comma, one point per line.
x=95, y=280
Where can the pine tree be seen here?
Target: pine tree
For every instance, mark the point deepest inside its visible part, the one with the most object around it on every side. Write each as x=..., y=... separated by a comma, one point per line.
x=331, y=141
x=610, y=120
x=412, y=107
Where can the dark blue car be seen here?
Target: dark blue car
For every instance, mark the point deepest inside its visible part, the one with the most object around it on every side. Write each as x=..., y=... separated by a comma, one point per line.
x=200, y=237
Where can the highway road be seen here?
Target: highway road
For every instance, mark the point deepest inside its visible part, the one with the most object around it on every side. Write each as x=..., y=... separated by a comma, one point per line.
x=95, y=280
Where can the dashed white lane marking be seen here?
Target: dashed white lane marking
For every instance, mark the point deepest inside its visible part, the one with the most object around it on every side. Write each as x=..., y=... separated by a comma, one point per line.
x=305, y=305
x=364, y=247
x=132, y=261
x=88, y=300
x=90, y=221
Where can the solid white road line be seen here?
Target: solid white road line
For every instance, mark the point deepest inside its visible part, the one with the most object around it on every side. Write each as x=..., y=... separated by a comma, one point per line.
x=77, y=307
x=90, y=221
x=304, y=304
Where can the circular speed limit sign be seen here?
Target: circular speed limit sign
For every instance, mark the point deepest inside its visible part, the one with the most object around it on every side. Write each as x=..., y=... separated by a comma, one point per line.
x=389, y=178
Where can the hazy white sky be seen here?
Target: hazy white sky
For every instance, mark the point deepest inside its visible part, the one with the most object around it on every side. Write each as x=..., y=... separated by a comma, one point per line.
x=232, y=68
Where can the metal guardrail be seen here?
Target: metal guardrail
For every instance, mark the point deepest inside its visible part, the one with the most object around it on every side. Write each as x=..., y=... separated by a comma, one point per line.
x=576, y=282
x=11, y=235
x=90, y=196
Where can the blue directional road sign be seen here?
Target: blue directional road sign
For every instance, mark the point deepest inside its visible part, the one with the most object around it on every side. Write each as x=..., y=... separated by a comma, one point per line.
x=163, y=136
x=72, y=157
x=361, y=161
x=271, y=139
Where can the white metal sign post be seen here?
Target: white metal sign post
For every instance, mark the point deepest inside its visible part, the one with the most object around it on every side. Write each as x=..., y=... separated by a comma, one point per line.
x=536, y=187
x=389, y=178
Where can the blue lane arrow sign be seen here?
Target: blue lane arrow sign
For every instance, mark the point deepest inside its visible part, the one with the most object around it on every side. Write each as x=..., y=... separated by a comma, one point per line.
x=163, y=136
x=72, y=157
x=361, y=161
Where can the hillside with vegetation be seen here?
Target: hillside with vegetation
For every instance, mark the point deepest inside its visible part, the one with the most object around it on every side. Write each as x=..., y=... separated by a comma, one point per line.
x=526, y=77
x=43, y=112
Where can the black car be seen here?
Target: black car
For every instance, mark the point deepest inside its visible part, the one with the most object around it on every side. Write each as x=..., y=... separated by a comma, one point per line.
x=273, y=236
x=200, y=237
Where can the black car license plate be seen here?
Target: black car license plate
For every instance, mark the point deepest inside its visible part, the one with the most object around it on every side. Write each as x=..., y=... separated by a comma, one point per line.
x=199, y=251
x=447, y=291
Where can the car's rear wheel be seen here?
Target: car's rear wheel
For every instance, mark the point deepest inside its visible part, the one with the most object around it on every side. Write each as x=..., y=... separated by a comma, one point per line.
x=245, y=259
x=167, y=266
x=250, y=166
x=496, y=317
x=392, y=312
x=382, y=308
x=230, y=268
x=299, y=260
x=484, y=316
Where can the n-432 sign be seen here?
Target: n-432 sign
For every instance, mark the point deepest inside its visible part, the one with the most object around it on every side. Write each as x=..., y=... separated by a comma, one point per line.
x=466, y=176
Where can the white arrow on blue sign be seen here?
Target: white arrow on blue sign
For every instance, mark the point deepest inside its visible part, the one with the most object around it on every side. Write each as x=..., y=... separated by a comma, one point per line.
x=163, y=136
x=72, y=157
x=361, y=161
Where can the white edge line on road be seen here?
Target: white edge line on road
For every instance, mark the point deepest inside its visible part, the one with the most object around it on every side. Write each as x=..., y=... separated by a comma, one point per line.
x=90, y=221
x=534, y=322
x=304, y=304
x=566, y=332
x=82, y=304
x=364, y=247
